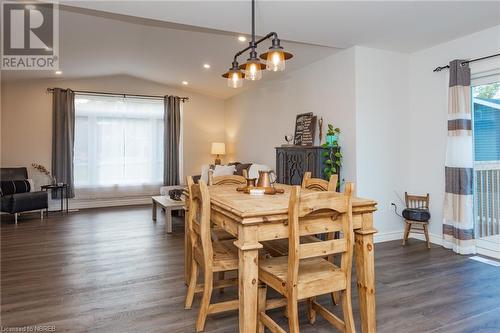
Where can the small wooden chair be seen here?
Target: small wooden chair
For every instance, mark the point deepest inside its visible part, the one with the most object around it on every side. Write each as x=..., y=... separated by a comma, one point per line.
x=421, y=202
x=304, y=273
x=212, y=256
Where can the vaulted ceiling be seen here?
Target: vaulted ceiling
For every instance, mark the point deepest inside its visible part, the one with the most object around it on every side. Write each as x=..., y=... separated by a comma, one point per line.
x=169, y=41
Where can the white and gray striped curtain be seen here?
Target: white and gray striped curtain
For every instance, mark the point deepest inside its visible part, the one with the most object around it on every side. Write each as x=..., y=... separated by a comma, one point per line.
x=458, y=221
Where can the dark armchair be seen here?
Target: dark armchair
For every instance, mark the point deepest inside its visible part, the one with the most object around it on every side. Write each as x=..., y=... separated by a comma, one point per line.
x=21, y=202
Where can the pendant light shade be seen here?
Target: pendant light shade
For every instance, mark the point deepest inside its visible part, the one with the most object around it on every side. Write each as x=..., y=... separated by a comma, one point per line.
x=234, y=76
x=275, y=57
x=253, y=69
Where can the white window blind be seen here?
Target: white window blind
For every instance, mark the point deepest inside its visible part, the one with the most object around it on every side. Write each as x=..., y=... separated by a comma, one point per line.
x=118, y=146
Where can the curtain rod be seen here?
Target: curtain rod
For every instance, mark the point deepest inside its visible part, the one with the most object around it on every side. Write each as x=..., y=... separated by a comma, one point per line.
x=440, y=68
x=183, y=99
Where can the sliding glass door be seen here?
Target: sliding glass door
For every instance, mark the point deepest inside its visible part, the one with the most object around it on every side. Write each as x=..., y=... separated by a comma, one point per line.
x=486, y=132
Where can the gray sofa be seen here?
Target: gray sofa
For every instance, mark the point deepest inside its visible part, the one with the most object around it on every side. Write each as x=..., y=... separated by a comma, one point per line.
x=21, y=202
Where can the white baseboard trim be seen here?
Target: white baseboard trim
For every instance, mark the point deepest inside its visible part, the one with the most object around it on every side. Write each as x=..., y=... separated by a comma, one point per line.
x=398, y=235
x=99, y=203
x=488, y=253
x=433, y=238
x=388, y=236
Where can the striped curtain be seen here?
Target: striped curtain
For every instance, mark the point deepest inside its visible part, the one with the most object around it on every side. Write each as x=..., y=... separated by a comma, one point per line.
x=458, y=222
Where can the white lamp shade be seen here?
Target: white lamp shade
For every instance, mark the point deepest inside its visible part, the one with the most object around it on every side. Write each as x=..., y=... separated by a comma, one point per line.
x=218, y=148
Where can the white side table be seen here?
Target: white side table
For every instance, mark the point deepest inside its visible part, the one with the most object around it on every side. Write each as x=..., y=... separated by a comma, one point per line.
x=169, y=205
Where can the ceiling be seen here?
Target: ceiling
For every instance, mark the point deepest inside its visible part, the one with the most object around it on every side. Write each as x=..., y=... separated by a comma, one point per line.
x=404, y=26
x=169, y=41
x=99, y=44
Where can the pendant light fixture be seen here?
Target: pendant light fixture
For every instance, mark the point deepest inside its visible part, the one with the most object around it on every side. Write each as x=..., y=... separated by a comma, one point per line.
x=275, y=59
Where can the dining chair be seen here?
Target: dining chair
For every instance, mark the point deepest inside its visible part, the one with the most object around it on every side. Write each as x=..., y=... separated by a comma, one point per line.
x=419, y=202
x=211, y=256
x=319, y=184
x=227, y=179
x=305, y=273
x=279, y=247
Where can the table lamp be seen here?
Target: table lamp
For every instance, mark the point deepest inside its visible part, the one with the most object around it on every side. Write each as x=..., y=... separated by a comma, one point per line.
x=218, y=148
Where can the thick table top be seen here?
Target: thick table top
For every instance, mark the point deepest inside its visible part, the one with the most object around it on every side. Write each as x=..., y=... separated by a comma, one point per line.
x=226, y=198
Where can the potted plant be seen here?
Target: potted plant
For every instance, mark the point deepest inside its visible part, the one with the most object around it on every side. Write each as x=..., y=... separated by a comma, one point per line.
x=332, y=155
x=332, y=135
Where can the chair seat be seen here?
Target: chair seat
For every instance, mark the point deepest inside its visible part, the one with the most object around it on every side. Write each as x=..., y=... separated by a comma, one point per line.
x=225, y=256
x=279, y=247
x=220, y=234
x=317, y=276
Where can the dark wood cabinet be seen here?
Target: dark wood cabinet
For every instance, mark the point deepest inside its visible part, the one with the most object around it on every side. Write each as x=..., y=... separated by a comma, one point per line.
x=293, y=161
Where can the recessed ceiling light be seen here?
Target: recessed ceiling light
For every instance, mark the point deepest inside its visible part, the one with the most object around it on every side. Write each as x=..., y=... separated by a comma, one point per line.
x=207, y=66
x=242, y=38
x=58, y=72
x=30, y=7
x=185, y=83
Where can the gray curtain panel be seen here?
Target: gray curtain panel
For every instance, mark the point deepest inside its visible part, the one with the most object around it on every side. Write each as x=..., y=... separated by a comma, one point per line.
x=458, y=221
x=171, y=135
x=63, y=138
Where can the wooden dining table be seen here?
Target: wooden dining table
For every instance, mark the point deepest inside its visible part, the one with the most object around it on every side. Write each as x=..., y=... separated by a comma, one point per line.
x=253, y=219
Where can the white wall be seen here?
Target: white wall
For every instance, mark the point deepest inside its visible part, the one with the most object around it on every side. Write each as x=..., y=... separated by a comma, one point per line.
x=428, y=112
x=381, y=132
x=26, y=118
x=257, y=120
x=361, y=90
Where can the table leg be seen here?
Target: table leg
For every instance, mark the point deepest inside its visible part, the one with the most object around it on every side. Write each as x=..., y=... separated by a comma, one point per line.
x=154, y=211
x=248, y=275
x=365, y=271
x=168, y=220
x=67, y=200
x=62, y=199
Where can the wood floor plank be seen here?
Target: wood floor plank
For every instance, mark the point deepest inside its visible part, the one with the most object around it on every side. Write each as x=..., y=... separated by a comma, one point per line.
x=114, y=270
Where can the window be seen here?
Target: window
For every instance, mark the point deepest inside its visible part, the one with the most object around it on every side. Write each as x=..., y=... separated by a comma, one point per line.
x=118, y=142
x=486, y=132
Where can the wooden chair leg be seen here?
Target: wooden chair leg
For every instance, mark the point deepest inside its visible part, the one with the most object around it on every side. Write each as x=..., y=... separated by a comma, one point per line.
x=221, y=277
x=192, y=285
x=407, y=232
x=205, y=301
x=311, y=313
x=336, y=298
x=293, y=315
x=426, y=232
x=261, y=307
x=347, y=311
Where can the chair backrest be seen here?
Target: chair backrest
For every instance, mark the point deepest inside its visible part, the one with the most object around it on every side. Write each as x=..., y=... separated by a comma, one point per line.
x=199, y=221
x=325, y=208
x=226, y=180
x=13, y=173
x=417, y=201
x=319, y=184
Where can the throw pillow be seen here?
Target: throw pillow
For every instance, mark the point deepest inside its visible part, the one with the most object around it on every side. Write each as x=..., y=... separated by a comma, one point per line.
x=242, y=166
x=8, y=187
x=224, y=170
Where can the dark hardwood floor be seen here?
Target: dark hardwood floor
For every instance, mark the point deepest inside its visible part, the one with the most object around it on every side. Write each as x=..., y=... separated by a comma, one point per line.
x=114, y=270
